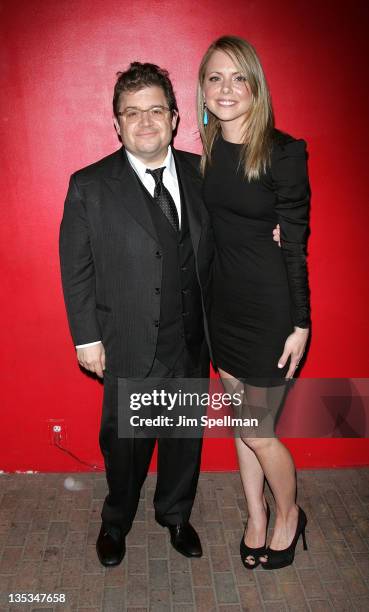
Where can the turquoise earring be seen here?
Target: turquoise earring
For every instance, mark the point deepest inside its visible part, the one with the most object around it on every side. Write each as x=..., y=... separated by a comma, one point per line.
x=206, y=118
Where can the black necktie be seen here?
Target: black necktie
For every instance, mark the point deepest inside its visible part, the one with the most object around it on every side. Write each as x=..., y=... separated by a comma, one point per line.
x=163, y=198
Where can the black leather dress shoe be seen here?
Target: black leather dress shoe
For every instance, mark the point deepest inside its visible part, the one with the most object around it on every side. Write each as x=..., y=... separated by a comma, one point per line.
x=110, y=546
x=185, y=540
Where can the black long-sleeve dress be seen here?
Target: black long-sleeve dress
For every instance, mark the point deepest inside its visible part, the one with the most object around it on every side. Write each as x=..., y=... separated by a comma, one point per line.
x=260, y=291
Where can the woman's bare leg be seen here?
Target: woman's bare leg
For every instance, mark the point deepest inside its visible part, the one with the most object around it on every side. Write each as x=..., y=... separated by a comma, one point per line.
x=252, y=477
x=265, y=456
x=277, y=465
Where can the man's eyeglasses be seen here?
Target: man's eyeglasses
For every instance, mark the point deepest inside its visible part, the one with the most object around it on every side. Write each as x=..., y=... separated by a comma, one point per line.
x=133, y=114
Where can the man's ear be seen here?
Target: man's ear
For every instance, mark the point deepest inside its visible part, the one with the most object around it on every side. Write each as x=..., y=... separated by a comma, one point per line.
x=174, y=120
x=116, y=125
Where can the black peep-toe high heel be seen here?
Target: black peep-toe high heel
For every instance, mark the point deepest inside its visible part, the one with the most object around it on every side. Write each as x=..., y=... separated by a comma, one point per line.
x=256, y=553
x=282, y=558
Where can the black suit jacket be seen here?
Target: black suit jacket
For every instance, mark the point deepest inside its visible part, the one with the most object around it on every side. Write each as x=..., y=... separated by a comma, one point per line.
x=111, y=260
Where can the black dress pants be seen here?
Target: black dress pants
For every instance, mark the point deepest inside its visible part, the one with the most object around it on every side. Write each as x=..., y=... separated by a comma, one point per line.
x=127, y=460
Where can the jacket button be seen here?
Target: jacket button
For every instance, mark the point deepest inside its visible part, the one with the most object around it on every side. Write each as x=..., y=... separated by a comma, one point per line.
x=156, y=323
x=158, y=254
x=157, y=291
x=184, y=269
x=185, y=314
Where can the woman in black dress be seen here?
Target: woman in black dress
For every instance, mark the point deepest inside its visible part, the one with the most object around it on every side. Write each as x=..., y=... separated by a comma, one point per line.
x=254, y=177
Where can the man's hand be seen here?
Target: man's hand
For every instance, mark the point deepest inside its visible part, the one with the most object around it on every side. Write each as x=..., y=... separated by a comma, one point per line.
x=92, y=358
x=277, y=235
x=294, y=348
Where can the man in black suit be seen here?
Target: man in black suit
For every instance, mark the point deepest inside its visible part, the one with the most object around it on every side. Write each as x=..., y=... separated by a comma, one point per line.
x=136, y=250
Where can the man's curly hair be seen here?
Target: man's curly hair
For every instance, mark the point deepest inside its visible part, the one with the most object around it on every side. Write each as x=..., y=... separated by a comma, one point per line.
x=140, y=75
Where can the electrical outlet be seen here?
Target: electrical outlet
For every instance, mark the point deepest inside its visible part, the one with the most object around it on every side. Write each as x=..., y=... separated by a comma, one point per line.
x=57, y=431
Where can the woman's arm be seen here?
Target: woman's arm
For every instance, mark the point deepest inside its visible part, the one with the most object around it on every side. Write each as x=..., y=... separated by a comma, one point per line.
x=289, y=172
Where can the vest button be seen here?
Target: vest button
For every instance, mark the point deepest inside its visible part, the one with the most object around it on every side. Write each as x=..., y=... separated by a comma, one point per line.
x=156, y=323
x=158, y=254
x=157, y=291
x=185, y=314
x=184, y=269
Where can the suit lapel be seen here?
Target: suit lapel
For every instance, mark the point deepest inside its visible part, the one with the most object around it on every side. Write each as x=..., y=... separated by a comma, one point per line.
x=192, y=190
x=123, y=183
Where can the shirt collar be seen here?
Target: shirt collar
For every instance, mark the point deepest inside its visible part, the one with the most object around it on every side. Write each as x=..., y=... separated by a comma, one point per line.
x=140, y=168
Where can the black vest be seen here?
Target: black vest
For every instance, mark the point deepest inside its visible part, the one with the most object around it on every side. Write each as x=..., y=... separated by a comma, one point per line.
x=181, y=319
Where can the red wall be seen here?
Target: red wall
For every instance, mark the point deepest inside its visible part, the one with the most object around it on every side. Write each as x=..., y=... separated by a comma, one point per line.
x=59, y=60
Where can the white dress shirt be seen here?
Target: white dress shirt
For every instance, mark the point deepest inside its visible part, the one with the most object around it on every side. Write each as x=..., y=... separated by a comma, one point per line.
x=170, y=181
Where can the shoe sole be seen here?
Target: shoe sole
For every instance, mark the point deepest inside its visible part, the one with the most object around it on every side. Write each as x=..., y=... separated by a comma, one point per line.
x=110, y=564
x=185, y=554
x=277, y=566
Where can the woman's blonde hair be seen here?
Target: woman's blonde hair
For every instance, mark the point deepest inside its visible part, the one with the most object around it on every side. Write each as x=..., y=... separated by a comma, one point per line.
x=259, y=123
